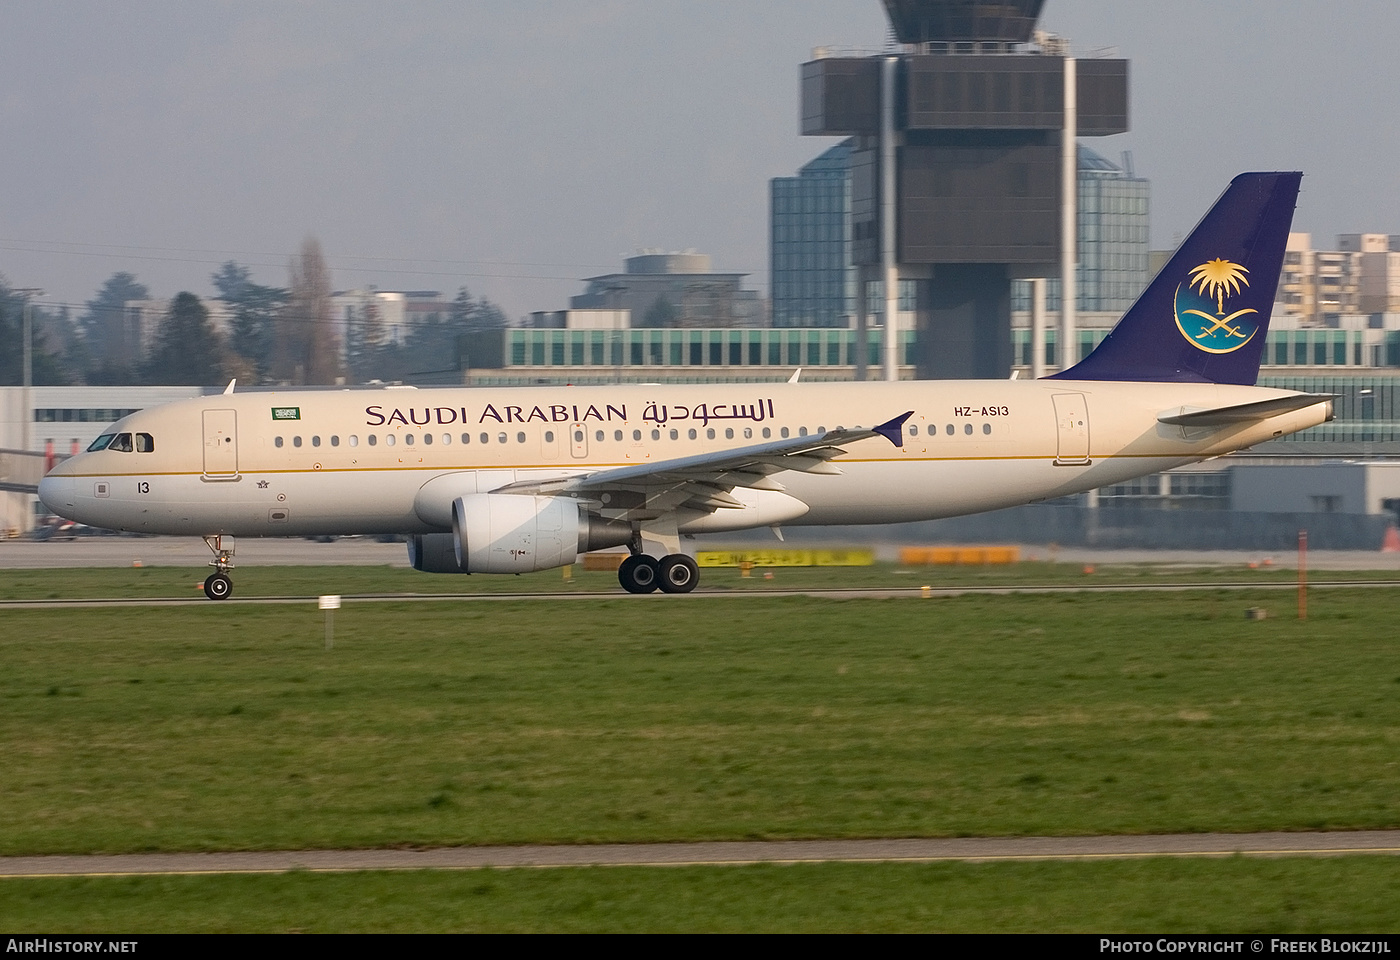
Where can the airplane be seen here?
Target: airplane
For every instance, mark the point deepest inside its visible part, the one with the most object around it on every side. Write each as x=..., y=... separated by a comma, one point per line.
x=513, y=480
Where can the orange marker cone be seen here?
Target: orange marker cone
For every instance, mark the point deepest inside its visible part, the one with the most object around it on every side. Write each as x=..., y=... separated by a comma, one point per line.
x=1391, y=543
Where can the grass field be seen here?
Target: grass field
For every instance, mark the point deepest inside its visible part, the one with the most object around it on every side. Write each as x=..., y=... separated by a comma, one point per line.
x=1353, y=895
x=217, y=727
x=258, y=581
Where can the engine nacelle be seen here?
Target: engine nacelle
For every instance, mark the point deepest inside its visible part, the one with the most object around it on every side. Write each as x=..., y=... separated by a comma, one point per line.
x=502, y=533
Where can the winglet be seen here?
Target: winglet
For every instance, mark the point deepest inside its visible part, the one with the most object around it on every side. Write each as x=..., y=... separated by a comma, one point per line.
x=796, y=375
x=229, y=389
x=893, y=430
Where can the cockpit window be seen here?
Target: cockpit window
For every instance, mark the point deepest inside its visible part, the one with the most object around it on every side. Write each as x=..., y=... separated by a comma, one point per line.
x=121, y=442
x=100, y=443
x=145, y=443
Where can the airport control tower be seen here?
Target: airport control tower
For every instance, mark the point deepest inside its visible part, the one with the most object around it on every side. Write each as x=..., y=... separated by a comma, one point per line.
x=964, y=168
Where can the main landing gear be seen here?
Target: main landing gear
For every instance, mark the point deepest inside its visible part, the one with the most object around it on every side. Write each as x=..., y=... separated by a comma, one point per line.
x=219, y=585
x=675, y=573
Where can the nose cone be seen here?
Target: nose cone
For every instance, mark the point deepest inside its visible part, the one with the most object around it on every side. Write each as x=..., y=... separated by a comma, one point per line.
x=56, y=493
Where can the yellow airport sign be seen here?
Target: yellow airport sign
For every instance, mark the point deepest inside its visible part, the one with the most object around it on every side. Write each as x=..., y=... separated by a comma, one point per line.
x=786, y=558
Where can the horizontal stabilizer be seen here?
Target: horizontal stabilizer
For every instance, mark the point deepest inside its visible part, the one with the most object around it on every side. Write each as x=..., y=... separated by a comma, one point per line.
x=1245, y=412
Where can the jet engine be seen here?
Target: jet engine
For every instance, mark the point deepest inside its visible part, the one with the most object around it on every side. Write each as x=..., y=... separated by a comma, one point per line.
x=503, y=533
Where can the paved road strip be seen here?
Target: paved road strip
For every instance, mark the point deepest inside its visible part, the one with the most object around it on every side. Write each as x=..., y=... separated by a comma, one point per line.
x=856, y=593
x=973, y=849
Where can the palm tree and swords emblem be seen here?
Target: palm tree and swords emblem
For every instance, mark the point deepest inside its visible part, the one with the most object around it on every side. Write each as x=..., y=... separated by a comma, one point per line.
x=1215, y=280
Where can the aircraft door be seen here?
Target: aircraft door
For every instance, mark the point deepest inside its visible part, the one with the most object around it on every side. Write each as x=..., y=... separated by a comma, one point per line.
x=1071, y=429
x=550, y=442
x=578, y=441
x=220, y=445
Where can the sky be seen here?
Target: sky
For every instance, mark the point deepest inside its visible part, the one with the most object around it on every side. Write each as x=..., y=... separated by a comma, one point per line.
x=517, y=146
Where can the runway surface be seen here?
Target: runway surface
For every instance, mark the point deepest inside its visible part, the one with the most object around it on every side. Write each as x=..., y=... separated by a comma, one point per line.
x=968, y=849
x=359, y=551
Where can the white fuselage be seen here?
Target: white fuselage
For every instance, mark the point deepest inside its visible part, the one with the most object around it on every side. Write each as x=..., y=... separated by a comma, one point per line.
x=392, y=461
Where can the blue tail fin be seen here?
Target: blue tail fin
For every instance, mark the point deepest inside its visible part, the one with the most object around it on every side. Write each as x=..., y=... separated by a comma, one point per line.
x=1205, y=316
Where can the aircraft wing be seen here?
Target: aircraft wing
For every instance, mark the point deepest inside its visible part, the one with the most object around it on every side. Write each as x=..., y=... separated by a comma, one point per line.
x=1243, y=412
x=704, y=481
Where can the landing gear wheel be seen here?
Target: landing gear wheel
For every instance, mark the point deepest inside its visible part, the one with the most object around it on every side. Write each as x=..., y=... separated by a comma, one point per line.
x=639, y=574
x=679, y=573
x=218, y=586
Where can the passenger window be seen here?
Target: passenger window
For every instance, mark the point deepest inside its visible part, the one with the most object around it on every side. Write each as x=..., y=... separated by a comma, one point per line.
x=335, y=440
x=373, y=439
x=784, y=433
x=388, y=440
x=656, y=434
x=276, y=442
x=428, y=439
x=967, y=429
x=315, y=441
x=617, y=435
x=821, y=429
x=675, y=434
x=296, y=441
x=466, y=438
x=354, y=440
x=710, y=434
x=408, y=439
x=802, y=431
x=520, y=437
x=486, y=438
x=913, y=429
x=549, y=436
x=447, y=439
x=636, y=434
x=501, y=438
x=692, y=434
x=987, y=429
x=767, y=433
x=729, y=433
x=144, y=443
x=950, y=430
x=599, y=436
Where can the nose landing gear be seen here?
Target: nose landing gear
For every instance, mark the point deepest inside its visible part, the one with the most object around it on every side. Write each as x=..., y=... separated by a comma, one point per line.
x=219, y=585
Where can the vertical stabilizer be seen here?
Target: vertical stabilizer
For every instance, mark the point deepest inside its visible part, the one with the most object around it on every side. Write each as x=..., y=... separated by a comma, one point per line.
x=1205, y=317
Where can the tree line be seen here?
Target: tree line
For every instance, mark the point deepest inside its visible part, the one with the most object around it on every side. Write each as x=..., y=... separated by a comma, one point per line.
x=273, y=335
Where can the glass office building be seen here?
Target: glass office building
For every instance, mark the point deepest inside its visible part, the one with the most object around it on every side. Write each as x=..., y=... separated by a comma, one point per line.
x=814, y=284
x=812, y=281
x=1113, y=241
